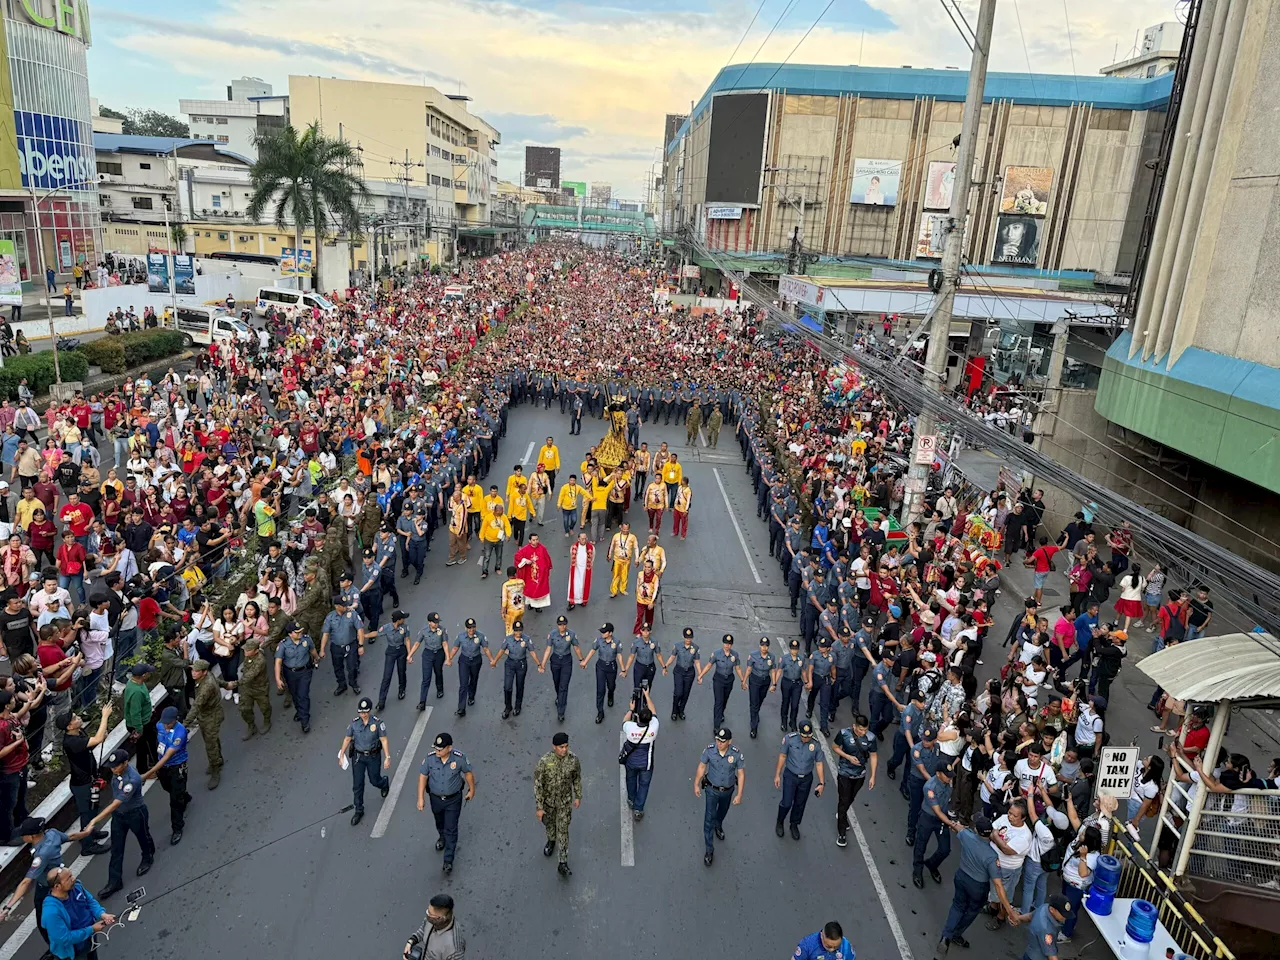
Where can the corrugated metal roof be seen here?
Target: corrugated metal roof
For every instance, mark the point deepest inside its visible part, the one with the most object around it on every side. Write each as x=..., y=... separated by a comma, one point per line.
x=1237, y=666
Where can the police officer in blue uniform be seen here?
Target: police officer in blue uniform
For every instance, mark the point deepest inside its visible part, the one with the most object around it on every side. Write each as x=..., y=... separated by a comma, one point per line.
x=446, y=775
x=883, y=704
x=798, y=761
x=762, y=676
x=725, y=662
x=295, y=661
x=721, y=772
x=342, y=637
x=933, y=822
x=842, y=654
x=605, y=649
x=829, y=943
x=1046, y=925
x=171, y=769
x=560, y=642
x=395, y=656
x=471, y=644
x=683, y=662
x=925, y=761
x=791, y=669
x=128, y=814
x=364, y=745
x=819, y=679
x=910, y=726
x=433, y=642
x=644, y=659
x=855, y=750
x=46, y=854
x=515, y=647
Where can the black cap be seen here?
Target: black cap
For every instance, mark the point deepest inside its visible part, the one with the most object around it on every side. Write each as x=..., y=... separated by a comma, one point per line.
x=63, y=720
x=293, y=626
x=727, y=638
x=868, y=621
x=399, y=615
x=724, y=733
x=469, y=622
x=560, y=739
x=846, y=632
x=982, y=826
x=364, y=706
x=832, y=602
x=688, y=632
x=517, y=624
x=929, y=734
x=606, y=627
x=824, y=641
x=443, y=740
x=795, y=644
x=346, y=575
x=117, y=757
x=765, y=641
x=562, y=619
x=433, y=617
x=1060, y=903
x=806, y=729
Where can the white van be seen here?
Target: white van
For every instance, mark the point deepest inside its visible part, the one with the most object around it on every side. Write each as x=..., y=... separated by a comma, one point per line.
x=455, y=291
x=208, y=324
x=289, y=301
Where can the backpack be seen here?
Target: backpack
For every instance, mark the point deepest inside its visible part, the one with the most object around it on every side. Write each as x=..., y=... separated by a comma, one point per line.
x=1051, y=860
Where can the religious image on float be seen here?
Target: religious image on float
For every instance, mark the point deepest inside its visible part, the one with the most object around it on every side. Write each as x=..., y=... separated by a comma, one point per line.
x=614, y=449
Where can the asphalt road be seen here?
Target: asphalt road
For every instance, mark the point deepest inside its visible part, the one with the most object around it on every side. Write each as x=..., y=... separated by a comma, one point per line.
x=271, y=866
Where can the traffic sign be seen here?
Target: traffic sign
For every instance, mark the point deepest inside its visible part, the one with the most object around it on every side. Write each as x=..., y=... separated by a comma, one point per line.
x=1117, y=771
x=926, y=449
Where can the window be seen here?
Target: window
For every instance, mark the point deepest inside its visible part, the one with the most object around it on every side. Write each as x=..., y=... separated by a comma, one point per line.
x=222, y=236
x=207, y=233
x=271, y=240
x=244, y=238
x=104, y=200
x=142, y=203
x=222, y=121
x=115, y=169
x=223, y=138
x=144, y=166
x=306, y=243
x=217, y=202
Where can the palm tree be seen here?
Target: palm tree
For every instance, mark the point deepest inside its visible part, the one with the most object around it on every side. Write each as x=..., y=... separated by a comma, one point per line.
x=306, y=179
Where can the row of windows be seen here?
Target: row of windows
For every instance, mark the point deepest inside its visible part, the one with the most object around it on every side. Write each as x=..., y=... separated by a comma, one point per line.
x=196, y=118
x=152, y=234
x=246, y=238
x=50, y=72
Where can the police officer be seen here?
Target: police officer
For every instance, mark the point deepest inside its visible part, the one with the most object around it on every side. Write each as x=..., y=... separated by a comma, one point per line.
x=560, y=642
x=842, y=654
x=471, y=643
x=371, y=588
x=384, y=551
x=295, y=660
x=171, y=769
x=347, y=588
x=791, y=669
x=128, y=813
x=515, y=647
x=819, y=679
x=644, y=659
x=46, y=854
x=395, y=656
x=977, y=874
x=725, y=662
x=684, y=657
x=925, y=761
x=855, y=749
x=434, y=644
x=762, y=672
x=606, y=666
x=444, y=775
x=933, y=822
x=721, y=769
x=364, y=743
x=882, y=702
x=911, y=724
x=793, y=775
x=343, y=636
x=829, y=943
x=1046, y=925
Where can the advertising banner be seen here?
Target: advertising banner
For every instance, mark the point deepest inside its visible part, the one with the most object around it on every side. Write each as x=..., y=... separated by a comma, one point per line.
x=724, y=212
x=1026, y=190
x=184, y=274
x=10, y=282
x=938, y=185
x=932, y=236
x=294, y=262
x=875, y=182
x=1017, y=239
x=158, y=272
x=55, y=153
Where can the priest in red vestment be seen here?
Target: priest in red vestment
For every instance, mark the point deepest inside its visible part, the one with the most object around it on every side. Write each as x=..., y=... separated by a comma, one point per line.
x=533, y=566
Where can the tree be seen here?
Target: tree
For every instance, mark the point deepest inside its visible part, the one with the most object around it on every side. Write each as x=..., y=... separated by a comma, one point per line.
x=153, y=123
x=112, y=114
x=306, y=179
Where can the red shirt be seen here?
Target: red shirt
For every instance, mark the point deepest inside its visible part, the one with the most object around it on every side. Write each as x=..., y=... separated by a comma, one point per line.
x=42, y=534
x=79, y=517
x=71, y=559
x=81, y=412
x=50, y=655
x=17, y=758
x=1043, y=556
x=148, y=613
x=1196, y=739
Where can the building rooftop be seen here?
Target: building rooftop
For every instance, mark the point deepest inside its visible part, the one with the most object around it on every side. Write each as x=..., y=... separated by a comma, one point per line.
x=156, y=146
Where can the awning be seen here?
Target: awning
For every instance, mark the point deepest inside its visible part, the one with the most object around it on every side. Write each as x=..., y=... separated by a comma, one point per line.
x=1244, y=667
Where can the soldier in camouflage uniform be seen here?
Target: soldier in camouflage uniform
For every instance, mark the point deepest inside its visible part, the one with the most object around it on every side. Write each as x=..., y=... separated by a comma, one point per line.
x=369, y=522
x=206, y=710
x=557, y=792
x=252, y=687
x=692, y=421
x=334, y=552
x=277, y=620
x=714, y=423
x=316, y=600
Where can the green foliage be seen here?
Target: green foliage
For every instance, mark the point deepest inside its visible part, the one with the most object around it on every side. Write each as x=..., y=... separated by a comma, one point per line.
x=107, y=354
x=153, y=123
x=435, y=269
x=118, y=353
x=113, y=114
x=38, y=370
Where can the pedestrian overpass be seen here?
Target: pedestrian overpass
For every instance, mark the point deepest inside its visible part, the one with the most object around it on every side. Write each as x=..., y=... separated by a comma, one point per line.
x=595, y=226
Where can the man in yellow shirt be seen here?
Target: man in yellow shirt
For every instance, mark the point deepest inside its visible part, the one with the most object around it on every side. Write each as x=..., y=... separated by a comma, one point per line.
x=567, y=501
x=26, y=507
x=684, y=497
x=473, y=497
x=518, y=504
x=517, y=478
x=651, y=551
x=494, y=499
x=549, y=460
x=623, y=550
x=539, y=488
x=457, y=529
x=494, y=532
x=599, y=507
x=671, y=474
x=655, y=502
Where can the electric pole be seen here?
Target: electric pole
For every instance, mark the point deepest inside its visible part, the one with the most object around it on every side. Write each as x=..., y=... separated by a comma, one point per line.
x=935, y=368
x=406, y=178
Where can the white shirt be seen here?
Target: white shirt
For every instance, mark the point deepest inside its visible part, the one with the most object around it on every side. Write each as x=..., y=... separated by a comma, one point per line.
x=1088, y=726
x=860, y=568
x=1028, y=777
x=993, y=781
x=1017, y=838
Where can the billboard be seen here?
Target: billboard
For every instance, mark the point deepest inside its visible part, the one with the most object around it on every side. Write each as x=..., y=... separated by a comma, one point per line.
x=577, y=187
x=932, y=236
x=1026, y=190
x=542, y=164
x=292, y=265
x=724, y=211
x=875, y=182
x=938, y=185
x=184, y=274
x=735, y=151
x=1017, y=239
x=158, y=272
x=10, y=282
x=55, y=153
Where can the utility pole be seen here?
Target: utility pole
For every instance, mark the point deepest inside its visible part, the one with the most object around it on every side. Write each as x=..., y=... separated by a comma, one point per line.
x=406, y=178
x=935, y=367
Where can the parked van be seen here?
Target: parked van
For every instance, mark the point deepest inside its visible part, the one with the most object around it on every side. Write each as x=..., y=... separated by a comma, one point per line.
x=208, y=324
x=455, y=291
x=290, y=301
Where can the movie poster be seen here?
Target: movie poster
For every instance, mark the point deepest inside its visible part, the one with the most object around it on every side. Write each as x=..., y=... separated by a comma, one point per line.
x=1017, y=240
x=1026, y=190
x=938, y=185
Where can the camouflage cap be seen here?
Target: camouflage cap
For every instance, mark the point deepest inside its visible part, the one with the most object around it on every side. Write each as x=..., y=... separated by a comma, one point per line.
x=200, y=665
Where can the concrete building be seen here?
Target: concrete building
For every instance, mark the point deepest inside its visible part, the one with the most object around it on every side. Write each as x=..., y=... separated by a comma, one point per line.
x=542, y=169
x=1155, y=53
x=249, y=111
x=103, y=124
x=412, y=134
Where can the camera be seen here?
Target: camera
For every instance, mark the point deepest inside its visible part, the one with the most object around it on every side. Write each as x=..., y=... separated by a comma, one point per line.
x=644, y=684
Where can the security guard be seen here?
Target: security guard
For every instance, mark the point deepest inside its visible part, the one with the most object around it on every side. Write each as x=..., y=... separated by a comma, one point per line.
x=444, y=774
x=793, y=775
x=171, y=769
x=818, y=680
x=515, y=647
x=762, y=672
x=855, y=749
x=295, y=660
x=829, y=943
x=434, y=644
x=395, y=656
x=471, y=643
x=721, y=769
x=641, y=663
x=343, y=636
x=725, y=663
x=684, y=657
x=559, y=643
x=791, y=666
x=925, y=761
x=933, y=822
x=606, y=667
x=128, y=812
x=365, y=742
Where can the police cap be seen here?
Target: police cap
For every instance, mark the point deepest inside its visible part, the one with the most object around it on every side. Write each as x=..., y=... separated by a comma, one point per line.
x=443, y=740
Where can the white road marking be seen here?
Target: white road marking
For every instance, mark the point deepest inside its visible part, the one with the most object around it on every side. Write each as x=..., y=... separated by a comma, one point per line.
x=895, y=927
x=702, y=438
x=628, y=827
x=407, y=760
x=9, y=949
x=736, y=529
x=527, y=454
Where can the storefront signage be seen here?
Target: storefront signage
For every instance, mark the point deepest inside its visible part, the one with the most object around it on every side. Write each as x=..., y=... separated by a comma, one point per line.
x=800, y=291
x=66, y=16
x=724, y=213
x=54, y=152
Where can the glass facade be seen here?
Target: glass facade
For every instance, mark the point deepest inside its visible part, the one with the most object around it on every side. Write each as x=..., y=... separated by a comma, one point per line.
x=54, y=127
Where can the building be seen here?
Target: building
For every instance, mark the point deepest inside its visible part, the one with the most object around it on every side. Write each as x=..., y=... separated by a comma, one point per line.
x=250, y=111
x=418, y=136
x=859, y=162
x=248, y=88
x=1156, y=53
x=601, y=193
x=671, y=126
x=542, y=168
x=103, y=124
x=48, y=185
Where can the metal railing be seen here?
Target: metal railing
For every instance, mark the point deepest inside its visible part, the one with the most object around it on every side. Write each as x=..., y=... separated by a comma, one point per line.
x=1238, y=839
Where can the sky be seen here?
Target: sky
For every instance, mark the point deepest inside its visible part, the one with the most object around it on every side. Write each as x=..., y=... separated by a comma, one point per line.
x=595, y=79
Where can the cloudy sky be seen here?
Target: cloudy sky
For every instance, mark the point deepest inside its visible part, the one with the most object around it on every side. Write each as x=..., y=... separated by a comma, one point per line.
x=592, y=78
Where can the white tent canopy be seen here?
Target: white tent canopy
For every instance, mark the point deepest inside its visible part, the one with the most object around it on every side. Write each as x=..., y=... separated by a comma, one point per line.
x=1237, y=666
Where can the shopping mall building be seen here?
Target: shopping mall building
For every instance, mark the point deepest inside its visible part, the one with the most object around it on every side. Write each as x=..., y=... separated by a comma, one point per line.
x=47, y=170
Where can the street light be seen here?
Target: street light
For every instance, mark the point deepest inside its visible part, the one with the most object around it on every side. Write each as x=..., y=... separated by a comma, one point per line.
x=48, y=301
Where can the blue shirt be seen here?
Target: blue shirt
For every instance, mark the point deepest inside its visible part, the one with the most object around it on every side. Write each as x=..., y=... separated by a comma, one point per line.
x=470, y=646
x=861, y=747
x=801, y=757
x=722, y=771
x=644, y=651
x=561, y=643
x=606, y=650
x=396, y=637
x=792, y=666
x=761, y=664
x=433, y=640
x=517, y=647
x=1042, y=934
x=686, y=655
x=725, y=662
x=444, y=777
x=46, y=855
x=811, y=948
x=295, y=656
x=343, y=629
x=127, y=788
x=70, y=922
x=176, y=739
x=1084, y=629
